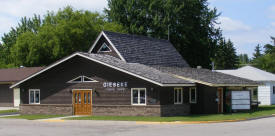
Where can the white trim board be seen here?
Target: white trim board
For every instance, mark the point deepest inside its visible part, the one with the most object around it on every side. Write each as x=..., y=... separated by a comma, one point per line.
x=104, y=44
x=105, y=36
x=78, y=54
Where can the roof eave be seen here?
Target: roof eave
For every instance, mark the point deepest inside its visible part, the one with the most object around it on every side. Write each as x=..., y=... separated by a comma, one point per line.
x=212, y=84
x=97, y=61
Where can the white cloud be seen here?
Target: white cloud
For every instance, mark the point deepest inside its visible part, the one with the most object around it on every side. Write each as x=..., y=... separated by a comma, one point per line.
x=245, y=41
x=6, y=24
x=228, y=24
x=19, y=8
x=12, y=10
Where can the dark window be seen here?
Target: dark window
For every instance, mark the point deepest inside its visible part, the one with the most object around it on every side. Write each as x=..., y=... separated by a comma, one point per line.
x=254, y=94
x=178, y=95
x=193, y=95
x=104, y=48
x=34, y=96
x=273, y=89
x=76, y=80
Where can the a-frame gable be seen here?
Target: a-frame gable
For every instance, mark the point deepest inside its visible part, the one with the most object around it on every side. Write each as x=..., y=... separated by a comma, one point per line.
x=99, y=43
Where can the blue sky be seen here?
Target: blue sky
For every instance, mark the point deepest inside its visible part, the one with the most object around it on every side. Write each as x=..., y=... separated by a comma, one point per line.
x=245, y=22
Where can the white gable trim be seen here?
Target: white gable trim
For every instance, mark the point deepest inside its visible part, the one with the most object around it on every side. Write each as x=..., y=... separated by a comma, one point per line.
x=97, y=39
x=104, y=44
x=82, y=80
x=119, y=69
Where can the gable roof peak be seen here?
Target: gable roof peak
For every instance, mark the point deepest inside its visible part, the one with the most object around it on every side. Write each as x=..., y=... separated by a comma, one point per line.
x=143, y=49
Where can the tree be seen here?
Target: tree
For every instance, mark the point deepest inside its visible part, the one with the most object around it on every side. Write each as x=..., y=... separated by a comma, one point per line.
x=190, y=24
x=244, y=59
x=257, y=52
x=268, y=48
x=36, y=42
x=226, y=57
x=266, y=61
x=9, y=39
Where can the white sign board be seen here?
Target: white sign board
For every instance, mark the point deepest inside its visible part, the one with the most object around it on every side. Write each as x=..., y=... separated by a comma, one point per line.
x=240, y=95
x=240, y=100
x=240, y=107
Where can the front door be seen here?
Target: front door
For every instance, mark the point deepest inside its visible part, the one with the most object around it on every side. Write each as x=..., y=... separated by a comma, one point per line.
x=220, y=100
x=82, y=102
x=16, y=97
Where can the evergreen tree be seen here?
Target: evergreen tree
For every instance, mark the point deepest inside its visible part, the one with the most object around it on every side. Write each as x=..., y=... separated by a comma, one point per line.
x=244, y=59
x=257, y=52
x=225, y=57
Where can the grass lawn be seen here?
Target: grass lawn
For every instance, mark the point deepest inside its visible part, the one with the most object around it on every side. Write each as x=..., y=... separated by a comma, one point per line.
x=8, y=111
x=260, y=112
x=33, y=117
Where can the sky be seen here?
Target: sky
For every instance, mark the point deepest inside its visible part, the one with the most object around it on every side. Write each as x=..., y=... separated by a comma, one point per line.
x=246, y=22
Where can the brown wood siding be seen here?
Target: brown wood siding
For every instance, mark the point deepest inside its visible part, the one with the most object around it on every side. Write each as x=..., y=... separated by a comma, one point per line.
x=206, y=100
x=99, y=44
x=54, y=88
x=167, y=95
x=6, y=95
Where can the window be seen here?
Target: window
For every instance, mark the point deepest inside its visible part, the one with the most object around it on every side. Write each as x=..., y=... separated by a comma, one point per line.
x=138, y=96
x=193, y=95
x=34, y=96
x=82, y=79
x=273, y=89
x=104, y=48
x=178, y=96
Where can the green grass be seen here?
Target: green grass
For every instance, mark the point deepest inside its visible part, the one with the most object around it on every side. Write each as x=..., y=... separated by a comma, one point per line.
x=33, y=117
x=8, y=111
x=260, y=112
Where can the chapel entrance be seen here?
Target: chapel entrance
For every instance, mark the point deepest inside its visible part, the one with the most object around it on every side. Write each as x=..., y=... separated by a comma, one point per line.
x=82, y=102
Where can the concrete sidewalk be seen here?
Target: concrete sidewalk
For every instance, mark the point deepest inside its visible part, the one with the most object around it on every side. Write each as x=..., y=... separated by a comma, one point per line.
x=9, y=108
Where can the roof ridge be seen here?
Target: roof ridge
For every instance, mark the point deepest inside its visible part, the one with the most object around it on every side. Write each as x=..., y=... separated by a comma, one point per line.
x=137, y=35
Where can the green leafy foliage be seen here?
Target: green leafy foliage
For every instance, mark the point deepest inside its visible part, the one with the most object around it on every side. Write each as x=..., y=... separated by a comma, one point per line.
x=190, y=24
x=39, y=42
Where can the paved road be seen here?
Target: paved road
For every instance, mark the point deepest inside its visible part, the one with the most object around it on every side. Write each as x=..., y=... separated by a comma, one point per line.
x=14, y=127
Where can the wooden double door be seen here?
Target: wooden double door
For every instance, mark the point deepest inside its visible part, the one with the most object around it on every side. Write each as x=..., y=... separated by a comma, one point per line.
x=82, y=102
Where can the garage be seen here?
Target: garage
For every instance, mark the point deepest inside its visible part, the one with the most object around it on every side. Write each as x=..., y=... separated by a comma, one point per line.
x=11, y=97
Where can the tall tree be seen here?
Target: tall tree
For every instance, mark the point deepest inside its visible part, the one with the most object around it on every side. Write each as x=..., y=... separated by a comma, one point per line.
x=244, y=59
x=266, y=61
x=225, y=57
x=257, y=52
x=188, y=23
x=40, y=42
x=268, y=48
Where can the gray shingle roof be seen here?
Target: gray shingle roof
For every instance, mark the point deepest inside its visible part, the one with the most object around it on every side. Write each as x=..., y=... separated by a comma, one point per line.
x=138, y=69
x=17, y=74
x=146, y=50
x=208, y=76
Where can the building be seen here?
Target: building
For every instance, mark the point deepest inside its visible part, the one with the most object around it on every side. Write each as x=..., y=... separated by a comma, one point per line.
x=129, y=75
x=11, y=97
x=265, y=93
